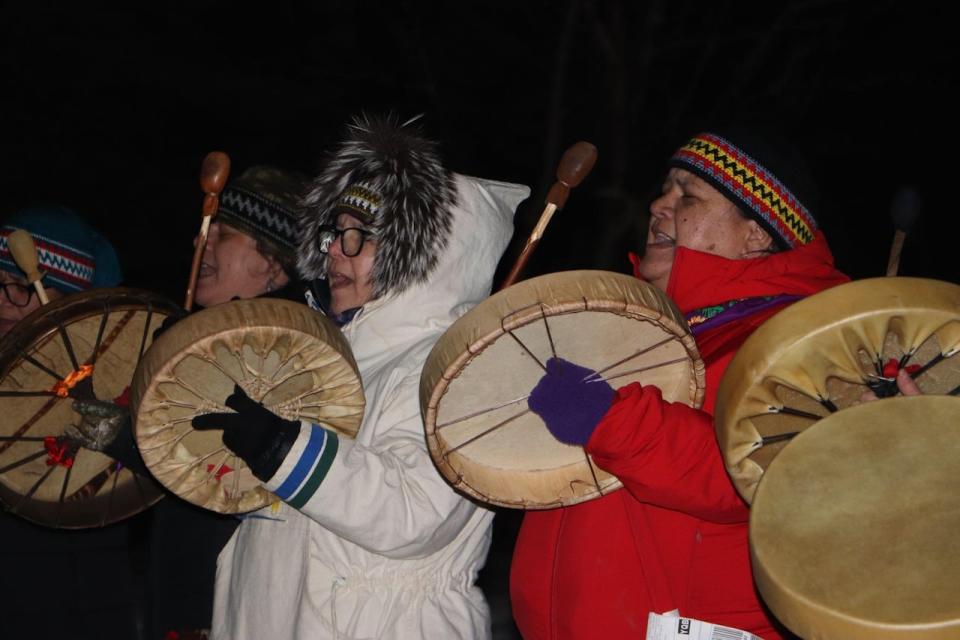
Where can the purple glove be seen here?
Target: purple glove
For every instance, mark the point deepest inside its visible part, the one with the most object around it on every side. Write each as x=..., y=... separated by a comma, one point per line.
x=571, y=400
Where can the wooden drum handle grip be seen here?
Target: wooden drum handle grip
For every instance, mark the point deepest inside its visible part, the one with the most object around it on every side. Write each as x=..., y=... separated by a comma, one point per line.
x=213, y=178
x=575, y=165
x=24, y=252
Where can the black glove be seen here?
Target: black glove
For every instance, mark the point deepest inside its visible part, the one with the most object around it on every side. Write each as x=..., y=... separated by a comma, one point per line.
x=124, y=450
x=256, y=434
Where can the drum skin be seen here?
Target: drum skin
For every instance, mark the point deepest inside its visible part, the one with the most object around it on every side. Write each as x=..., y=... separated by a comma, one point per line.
x=481, y=435
x=108, y=329
x=281, y=353
x=821, y=354
x=853, y=528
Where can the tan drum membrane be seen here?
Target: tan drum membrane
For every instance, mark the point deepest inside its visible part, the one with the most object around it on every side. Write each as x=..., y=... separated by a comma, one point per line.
x=283, y=354
x=818, y=356
x=476, y=381
x=108, y=329
x=854, y=526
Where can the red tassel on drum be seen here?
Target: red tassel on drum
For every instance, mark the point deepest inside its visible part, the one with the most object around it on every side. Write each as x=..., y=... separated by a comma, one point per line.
x=58, y=452
x=222, y=471
x=892, y=367
x=123, y=400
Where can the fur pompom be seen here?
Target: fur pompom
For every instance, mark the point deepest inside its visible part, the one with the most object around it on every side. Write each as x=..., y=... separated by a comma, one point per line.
x=412, y=225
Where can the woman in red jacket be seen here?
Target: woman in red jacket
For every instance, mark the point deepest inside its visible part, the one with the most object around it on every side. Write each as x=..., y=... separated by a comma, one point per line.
x=730, y=243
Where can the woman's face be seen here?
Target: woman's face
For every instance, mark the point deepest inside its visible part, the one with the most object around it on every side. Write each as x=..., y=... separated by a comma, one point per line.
x=16, y=293
x=691, y=213
x=232, y=267
x=349, y=277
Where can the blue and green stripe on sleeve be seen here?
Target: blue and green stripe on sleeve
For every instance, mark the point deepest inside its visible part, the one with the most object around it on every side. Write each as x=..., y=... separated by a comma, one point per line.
x=310, y=470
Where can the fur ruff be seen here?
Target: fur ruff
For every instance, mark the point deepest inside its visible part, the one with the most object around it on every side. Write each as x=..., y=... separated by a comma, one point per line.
x=415, y=218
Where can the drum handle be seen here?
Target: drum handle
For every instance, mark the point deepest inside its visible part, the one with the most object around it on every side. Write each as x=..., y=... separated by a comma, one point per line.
x=24, y=252
x=904, y=211
x=213, y=177
x=575, y=165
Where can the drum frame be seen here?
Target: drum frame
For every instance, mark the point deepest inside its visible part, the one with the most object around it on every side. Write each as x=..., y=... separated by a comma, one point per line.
x=435, y=383
x=822, y=353
x=79, y=509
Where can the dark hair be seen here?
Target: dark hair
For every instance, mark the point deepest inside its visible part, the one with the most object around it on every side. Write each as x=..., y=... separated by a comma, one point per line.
x=286, y=261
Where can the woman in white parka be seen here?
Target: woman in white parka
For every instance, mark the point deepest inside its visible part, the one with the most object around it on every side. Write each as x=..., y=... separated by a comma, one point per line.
x=370, y=541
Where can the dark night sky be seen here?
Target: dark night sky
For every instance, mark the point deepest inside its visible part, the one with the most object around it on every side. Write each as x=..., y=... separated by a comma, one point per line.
x=112, y=110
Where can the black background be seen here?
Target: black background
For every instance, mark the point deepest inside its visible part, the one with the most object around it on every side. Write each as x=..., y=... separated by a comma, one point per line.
x=110, y=110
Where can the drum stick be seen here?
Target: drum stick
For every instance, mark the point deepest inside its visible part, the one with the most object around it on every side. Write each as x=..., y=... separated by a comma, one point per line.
x=904, y=211
x=24, y=252
x=213, y=177
x=575, y=165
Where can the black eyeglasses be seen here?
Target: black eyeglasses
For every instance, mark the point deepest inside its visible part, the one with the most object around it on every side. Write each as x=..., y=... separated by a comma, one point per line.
x=351, y=239
x=18, y=294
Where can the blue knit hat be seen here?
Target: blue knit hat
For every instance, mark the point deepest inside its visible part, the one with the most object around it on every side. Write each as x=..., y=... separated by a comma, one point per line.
x=73, y=255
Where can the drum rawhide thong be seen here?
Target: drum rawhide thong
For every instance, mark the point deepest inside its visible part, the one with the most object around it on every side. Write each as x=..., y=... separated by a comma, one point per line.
x=84, y=346
x=853, y=528
x=821, y=354
x=283, y=354
x=474, y=388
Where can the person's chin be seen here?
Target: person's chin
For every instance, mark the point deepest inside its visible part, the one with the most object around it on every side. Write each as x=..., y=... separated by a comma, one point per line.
x=207, y=296
x=340, y=303
x=656, y=259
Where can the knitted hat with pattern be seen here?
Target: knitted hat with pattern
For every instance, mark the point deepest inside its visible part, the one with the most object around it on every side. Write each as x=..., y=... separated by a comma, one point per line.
x=263, y=203
x=73, y=255
x=390, y=176
x=769, y=183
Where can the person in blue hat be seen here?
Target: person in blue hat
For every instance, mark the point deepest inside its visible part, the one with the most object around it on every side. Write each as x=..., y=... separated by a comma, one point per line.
x=73, y=257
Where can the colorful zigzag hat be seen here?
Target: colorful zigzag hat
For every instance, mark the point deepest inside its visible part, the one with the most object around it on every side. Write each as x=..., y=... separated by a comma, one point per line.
x=752, y=184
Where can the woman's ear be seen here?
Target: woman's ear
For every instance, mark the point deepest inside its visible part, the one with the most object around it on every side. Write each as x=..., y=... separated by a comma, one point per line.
x=758, y=239
x=276, y=273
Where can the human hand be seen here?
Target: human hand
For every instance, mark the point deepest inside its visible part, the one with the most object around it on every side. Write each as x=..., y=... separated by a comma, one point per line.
x=257, y=435
x=571, y=400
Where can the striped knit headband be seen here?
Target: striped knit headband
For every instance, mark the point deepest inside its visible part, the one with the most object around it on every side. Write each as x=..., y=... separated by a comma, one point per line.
x=72, y=255
x=65, y=267
x=260, y=217
x=748, y=184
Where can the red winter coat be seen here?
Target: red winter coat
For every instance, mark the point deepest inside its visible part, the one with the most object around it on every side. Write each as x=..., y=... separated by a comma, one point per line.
x=676, y=536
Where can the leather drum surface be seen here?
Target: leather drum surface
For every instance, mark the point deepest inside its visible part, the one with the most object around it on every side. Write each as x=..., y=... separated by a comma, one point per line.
x=283, y=354
x=822, y=353
x=853, y=529
x=82, y=346
x=474, y=386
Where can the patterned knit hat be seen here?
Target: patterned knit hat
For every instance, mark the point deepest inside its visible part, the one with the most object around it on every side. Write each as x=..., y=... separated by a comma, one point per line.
x=263, y=203
x=72, y=254
x=391, y=176
x=754, y=175
x=360, y=201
